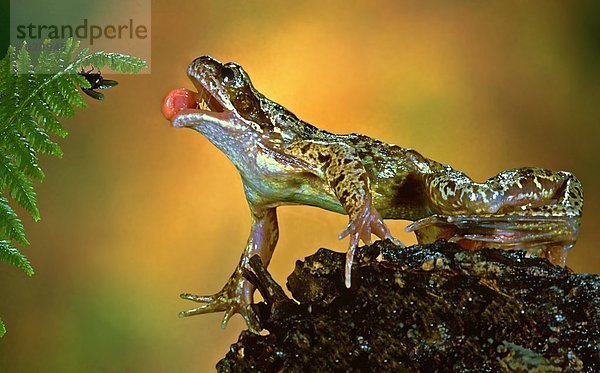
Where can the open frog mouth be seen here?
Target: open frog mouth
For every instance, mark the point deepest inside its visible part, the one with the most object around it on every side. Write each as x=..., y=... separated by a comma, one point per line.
x=181, y=102
x=209, y=102
x=205, y=100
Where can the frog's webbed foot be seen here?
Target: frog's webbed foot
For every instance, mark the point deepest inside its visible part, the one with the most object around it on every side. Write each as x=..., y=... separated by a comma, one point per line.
x=366, y=222
x=546, y=236
x=235, y=297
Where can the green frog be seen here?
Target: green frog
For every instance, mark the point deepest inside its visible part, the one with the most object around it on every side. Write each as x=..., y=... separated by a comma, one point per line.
x=283, y=160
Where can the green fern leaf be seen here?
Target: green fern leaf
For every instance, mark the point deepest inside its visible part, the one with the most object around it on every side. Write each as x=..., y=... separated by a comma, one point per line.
x=19, y=186
x=24, y=156
x=2, y=329
x=10, y=254
x=40, y=111
x=36, y=136
x=10, y=224
x=34, y=95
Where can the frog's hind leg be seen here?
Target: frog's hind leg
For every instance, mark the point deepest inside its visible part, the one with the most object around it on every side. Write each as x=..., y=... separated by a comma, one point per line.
x=546, y=236
x=530, y=208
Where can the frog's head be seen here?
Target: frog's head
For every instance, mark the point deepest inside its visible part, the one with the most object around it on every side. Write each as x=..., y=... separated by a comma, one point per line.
x=226, y=104
x=227, y=108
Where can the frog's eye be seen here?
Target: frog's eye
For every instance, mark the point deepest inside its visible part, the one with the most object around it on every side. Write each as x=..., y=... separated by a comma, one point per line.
x=228, y=74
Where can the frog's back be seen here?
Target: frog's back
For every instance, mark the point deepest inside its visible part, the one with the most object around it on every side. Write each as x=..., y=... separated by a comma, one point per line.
x=396, y=174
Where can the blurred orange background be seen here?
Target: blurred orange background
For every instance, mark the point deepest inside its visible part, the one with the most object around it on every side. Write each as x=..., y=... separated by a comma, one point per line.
x=137, y=212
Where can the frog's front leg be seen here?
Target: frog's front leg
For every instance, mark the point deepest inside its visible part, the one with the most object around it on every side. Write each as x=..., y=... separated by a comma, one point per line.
x=341, y=167
x=237, y=294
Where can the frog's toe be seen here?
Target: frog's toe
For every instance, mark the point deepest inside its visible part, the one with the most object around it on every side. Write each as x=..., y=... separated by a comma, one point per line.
x=368, y=222
x=198, y=298
x=396, y=241
x=231, y=299
x=212, y=303
x=361, y=227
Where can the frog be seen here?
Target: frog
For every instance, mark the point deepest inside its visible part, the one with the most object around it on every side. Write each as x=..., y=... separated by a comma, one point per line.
x=283, y=160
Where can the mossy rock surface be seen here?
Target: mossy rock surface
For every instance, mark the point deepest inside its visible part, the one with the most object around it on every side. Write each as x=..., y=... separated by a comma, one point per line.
x=424, y=308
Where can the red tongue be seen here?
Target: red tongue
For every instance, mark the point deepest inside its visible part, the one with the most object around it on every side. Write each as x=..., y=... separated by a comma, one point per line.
x=178, y=99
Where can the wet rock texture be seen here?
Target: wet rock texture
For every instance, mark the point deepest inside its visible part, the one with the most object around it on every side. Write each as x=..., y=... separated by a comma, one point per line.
x=424, y=308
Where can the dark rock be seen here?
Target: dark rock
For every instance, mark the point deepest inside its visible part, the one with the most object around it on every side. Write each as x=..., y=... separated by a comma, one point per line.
x=424, y=308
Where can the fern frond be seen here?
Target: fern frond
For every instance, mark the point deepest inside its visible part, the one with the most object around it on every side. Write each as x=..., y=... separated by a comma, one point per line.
x=37, y=136
x=20, y=187
x=24, y=156
x=10, y=224
x=2, y=329
x=34, y=95
x=114, y=61
x=46, y=120
x=8, y=94
x=11, y=255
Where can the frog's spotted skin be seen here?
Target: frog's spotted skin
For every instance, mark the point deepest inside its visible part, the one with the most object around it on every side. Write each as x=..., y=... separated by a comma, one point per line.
x=283, y=160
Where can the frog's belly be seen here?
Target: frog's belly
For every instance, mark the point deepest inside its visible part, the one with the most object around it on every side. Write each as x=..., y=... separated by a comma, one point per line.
x=299, y=190
x=318, y=198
